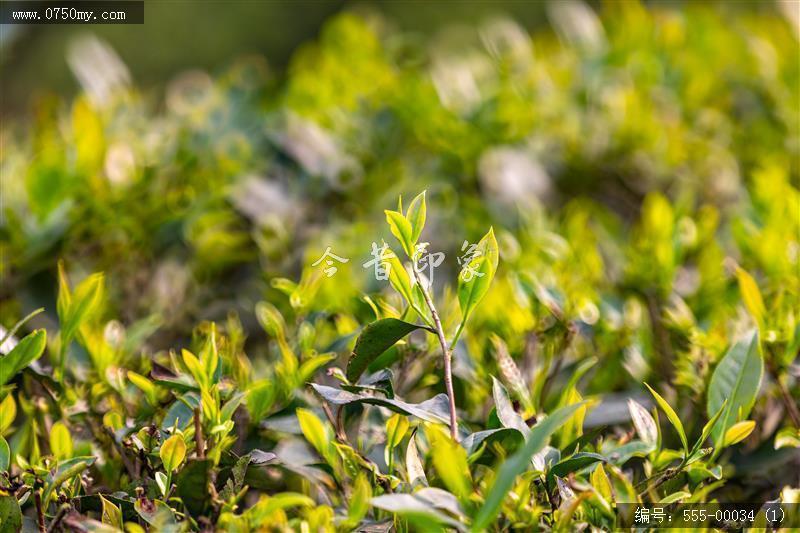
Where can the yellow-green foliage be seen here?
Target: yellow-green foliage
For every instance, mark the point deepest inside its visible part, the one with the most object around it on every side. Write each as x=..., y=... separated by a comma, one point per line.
x=628, y=332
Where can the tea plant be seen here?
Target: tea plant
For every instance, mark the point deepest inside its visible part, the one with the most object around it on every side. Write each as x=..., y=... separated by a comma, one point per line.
x=176, y=435
x=624, y=330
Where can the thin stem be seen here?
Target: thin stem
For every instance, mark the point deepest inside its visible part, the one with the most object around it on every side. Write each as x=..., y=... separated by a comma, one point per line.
x=340, y=435
x=62, y=512
x=37, y=500
x=459, y=331
x=446, y=354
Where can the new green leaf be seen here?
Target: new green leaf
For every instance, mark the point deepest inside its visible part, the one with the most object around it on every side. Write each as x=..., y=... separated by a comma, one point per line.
x=402, y=230
x=172, y=452
x=672, y=416
x=476, y=276
x=416, y=216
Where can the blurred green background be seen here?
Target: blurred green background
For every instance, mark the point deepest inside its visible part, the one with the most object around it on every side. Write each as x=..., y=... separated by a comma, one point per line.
x=631, y=157
x=181, y=34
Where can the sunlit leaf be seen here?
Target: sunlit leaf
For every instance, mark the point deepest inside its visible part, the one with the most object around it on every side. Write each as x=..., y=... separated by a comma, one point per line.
x=192, y=483
x=738, y=432
x=396, y=428
x=450, y=461
x=84, y=301
x=476, y=276
x=674, y=497
x=8, y=412
x=601, y=483
x=402, y=230
x=60, y=441
x=359, y=500
x=672, y=416
x=315, y=432
x=416, y=216
x=111, y=514
x=172, y=453
x=751, y=296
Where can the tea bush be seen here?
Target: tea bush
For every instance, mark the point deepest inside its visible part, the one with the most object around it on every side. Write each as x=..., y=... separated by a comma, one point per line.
x=593, y=303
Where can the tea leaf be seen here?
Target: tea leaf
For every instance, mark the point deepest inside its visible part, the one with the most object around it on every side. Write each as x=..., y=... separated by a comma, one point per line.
x=8, y=412
x=161, y=480
x=416, y=217
x=674, y=497
x=787, y=438
x=450, y=461
x=10, y=514
x=142, y=383
x=577, y=462
x=111, y=515
x=672, y=416
x=396, y=428
x=477, y=275
x=517, y=463
x=191, y=485
x=271, y=320
x=738, y=432
x=67, y=470
x=375, y=339
x=432, y=410
x=402, y=230
x=509, y=418
x=751, y=296
x=24, y=353
x=172, y=452
x=414, y=467
x=83, y=303
x=60, y=441
x=5, y=454
x=417, y=510
x=601, y=483
x=737, y=379
x=316, y=433
x=709, y=427
x=643, y=422
x=359, y=500
x=195, y=368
